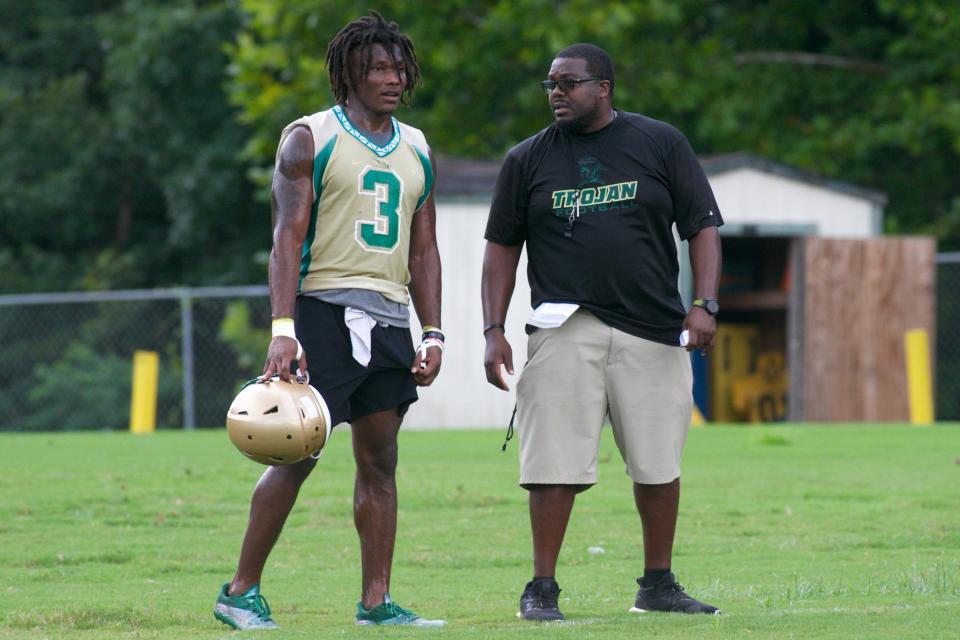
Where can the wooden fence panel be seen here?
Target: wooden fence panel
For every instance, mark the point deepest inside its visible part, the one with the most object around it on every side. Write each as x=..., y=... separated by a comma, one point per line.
x=859, y=298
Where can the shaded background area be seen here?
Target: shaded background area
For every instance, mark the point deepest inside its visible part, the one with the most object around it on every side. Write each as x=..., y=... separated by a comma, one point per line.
x=72, y=365
x=136, y=135
x=947, y=356
x=137, y=142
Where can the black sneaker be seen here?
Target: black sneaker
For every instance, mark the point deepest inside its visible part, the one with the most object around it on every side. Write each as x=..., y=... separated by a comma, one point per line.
x=539, y=601
x=667, y=595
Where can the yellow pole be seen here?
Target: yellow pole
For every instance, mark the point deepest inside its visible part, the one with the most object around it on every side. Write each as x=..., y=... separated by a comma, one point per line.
x=919, y=386
x=143, y=398
x=696, y=418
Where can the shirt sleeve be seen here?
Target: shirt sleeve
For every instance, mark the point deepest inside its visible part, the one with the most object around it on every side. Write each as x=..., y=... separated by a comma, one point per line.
x=507, y=222
x=694, y=206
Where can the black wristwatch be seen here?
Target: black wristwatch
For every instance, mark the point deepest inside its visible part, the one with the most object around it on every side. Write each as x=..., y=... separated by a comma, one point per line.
x=707, y=304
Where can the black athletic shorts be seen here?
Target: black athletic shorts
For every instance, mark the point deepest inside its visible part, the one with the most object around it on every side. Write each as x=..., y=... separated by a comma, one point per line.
x=350, y=389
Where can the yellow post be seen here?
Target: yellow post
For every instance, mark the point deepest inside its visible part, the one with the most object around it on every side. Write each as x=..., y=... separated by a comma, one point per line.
x=143, y=398
x=919, y=386
x=696, y=418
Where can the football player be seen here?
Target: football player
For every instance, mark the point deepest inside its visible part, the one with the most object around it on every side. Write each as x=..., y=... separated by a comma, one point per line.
x=354, y=241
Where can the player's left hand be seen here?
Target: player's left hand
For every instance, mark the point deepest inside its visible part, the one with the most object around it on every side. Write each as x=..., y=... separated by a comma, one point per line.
x=426, y=365
x=703, y=329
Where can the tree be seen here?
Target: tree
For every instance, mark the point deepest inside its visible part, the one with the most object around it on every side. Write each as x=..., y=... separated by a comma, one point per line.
x=121, y=160
x=864, y=91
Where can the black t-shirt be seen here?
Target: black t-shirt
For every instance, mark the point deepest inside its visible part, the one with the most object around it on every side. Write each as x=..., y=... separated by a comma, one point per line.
x=630, y=182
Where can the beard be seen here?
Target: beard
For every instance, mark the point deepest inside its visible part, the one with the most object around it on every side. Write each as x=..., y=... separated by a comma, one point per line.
x=580, y=123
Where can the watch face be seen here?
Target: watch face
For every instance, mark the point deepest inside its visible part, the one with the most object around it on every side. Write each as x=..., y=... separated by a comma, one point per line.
x=712, y=307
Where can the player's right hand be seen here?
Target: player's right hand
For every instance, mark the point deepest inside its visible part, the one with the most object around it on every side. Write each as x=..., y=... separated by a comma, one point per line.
x=280, y=355
x=497, y=355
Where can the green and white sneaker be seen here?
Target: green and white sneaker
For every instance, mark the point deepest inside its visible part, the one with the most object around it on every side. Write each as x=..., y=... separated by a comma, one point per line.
x=246, y=612
x=391, y=613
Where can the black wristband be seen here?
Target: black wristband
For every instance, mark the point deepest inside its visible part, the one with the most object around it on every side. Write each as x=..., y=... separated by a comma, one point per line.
x=493, y=325
x=438, y=335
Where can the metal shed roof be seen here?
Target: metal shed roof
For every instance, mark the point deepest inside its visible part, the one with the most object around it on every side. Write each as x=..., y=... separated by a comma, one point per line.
x=724, y=163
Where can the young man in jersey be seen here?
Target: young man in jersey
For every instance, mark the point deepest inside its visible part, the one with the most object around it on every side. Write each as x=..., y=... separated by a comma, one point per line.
x=595, y=196
x=353, y=227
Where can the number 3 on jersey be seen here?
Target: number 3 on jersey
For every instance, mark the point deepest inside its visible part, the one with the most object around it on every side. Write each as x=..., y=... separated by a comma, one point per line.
x=383, y=232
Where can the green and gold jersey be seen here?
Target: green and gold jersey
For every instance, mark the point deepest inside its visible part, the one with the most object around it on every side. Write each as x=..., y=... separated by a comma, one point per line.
x=364, y=200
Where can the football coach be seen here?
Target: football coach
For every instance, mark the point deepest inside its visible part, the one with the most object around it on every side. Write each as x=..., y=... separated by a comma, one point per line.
x=595, y=196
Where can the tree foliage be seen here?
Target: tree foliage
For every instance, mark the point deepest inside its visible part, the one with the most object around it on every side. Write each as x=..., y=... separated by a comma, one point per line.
x=865, y=91
x=120, y=164
x=138, y=138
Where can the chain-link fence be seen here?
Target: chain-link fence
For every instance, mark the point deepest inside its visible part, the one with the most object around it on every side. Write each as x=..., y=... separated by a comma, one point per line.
x=66, y=359
x=947, y=357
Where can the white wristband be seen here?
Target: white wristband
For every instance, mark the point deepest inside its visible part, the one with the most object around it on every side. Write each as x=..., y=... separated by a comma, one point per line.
x=285, y=327
x=426, y=344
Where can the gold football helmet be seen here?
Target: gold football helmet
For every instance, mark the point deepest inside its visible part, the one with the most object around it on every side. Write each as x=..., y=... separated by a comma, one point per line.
x=277, y=422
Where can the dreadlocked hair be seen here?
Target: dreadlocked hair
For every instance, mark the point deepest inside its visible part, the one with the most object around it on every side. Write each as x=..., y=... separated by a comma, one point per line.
x=363, y=34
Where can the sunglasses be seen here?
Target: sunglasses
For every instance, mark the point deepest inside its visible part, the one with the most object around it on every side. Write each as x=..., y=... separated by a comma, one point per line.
x=566, y=85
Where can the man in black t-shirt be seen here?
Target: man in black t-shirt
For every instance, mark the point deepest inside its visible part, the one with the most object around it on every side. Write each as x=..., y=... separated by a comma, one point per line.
x=595, y=197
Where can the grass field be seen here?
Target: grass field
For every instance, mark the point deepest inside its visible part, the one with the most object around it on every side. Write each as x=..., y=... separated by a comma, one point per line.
x=795, y=531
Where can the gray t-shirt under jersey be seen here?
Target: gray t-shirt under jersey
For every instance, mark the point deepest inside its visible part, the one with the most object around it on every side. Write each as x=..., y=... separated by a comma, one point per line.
x=370, y=302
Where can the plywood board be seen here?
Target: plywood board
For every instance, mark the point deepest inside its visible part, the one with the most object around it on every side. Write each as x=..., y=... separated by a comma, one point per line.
x=859, y=298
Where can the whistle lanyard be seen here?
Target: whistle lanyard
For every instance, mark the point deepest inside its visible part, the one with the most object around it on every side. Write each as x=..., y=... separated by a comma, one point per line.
x=574, y=214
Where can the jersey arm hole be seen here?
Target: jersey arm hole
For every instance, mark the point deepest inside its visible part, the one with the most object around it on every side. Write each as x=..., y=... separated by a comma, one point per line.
x=428, y=177
x=320, y=161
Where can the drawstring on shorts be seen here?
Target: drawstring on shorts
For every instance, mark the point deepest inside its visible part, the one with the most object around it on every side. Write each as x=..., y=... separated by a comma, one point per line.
x=509, y=430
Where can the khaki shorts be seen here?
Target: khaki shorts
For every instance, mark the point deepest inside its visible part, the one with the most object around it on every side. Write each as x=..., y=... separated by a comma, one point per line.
x=584, y=370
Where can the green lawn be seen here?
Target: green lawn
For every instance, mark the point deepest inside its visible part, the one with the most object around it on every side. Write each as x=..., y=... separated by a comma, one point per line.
x=795, y=531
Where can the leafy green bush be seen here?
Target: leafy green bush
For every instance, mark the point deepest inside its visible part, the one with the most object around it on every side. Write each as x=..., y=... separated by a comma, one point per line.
x=90, y=390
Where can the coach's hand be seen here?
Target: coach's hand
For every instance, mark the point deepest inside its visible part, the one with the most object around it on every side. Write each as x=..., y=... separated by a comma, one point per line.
x=703, y=329
x=426, y=368
x=497, y=355
x=283, y=352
